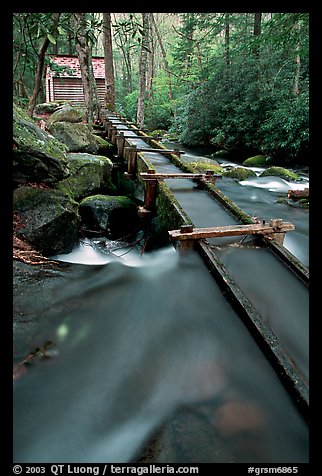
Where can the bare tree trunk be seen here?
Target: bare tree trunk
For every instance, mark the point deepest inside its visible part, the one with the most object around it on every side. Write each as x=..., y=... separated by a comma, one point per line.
x=109, y=66
x=164, y=56
x=257, y=31
x=296, y=87
x=150, y=73
x=143, y=70
x=84, y=58
x=40, y=69
x=227, y=38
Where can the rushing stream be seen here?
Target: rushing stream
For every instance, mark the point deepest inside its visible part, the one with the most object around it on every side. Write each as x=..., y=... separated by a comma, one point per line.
x=148, y=343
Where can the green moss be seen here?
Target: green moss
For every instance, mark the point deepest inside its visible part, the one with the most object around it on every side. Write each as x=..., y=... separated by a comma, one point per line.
x=257, y=161
x=208, y=165
x=240, y=173
x=88, y=174
x=280, y=172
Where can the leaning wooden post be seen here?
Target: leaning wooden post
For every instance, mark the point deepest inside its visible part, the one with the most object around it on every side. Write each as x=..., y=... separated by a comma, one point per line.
x=120, y=142
x=150, y=191
x=131, y=164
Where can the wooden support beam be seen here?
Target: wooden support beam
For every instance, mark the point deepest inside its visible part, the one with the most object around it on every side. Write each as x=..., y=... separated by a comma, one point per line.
x=132, y=159
x=120, y=143
x=208, y=176
x=161, y=151
x=274, y=228
x=150, y=194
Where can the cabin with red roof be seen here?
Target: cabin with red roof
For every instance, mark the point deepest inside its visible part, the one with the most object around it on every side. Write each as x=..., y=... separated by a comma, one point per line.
x=67, y=85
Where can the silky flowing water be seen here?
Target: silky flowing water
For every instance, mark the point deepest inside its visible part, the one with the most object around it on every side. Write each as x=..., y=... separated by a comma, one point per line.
x=148, y=345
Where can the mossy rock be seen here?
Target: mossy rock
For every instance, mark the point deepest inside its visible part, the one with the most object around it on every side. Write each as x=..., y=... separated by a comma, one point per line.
x=116, y=216
x=220, y=153
x=66, y=113
x=207, y=165
x=49, y=107
x=51, y=220
x=171, y=136
x=37, y=156
x=78, y=137
x=89, y=174
x=280, y=172
x=257, y=161
x=158, y=132
x=239, y=173
x=104, y=147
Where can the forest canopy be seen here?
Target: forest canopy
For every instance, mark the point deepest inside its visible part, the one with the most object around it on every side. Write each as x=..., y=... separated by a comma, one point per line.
x=226, y=80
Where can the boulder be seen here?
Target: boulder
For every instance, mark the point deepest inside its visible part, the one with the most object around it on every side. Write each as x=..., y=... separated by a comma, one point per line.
x=50, y=219
x=89, y=175
x=280, y=172
x=66, y=113
x=104, y=147
x=37, y=156
x=220, y=153
x=49, y=107
x=78, y=137
x=114, y=215
x=240, y=173
x=257, y=161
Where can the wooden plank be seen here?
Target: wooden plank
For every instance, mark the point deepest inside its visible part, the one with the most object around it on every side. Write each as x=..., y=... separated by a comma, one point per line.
x=160, y=151
x=233, y=230
x=162, y=176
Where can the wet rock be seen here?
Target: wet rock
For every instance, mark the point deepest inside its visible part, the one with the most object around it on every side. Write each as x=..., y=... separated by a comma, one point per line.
x=280, y=172
x=257, y=161
x=37, y=156
x=114, y=215
x=50, y=219
x=240, y=173
x=220, y=153
x=89, y=175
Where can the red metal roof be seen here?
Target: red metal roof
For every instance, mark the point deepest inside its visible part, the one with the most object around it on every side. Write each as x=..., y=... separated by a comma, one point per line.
x=73, y=63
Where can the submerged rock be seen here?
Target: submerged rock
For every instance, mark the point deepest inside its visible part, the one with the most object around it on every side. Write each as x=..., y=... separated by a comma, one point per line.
x=114, y=215
x=50, y=219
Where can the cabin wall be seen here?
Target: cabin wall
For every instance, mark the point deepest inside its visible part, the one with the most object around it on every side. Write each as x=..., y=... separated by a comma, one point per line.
x=71, y=89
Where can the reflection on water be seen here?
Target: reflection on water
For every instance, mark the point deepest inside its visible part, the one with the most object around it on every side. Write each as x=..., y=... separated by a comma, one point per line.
x=147, y=345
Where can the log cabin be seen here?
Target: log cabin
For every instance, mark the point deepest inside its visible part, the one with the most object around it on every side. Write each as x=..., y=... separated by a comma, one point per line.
x=67, y=85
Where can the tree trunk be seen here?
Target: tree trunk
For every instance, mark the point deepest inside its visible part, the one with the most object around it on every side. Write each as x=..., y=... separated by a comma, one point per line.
x=150, y=73
x=84, y=58
x=227, y=38
x=257, y=32
x=143, y=70
x=109, y=66
x=165, y=61
x=40, y=69
x=296, y=88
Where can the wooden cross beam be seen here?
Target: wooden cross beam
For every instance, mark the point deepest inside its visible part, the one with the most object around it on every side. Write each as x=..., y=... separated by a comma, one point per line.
x=160, y=151
x=275, y=228
x=151, y=174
